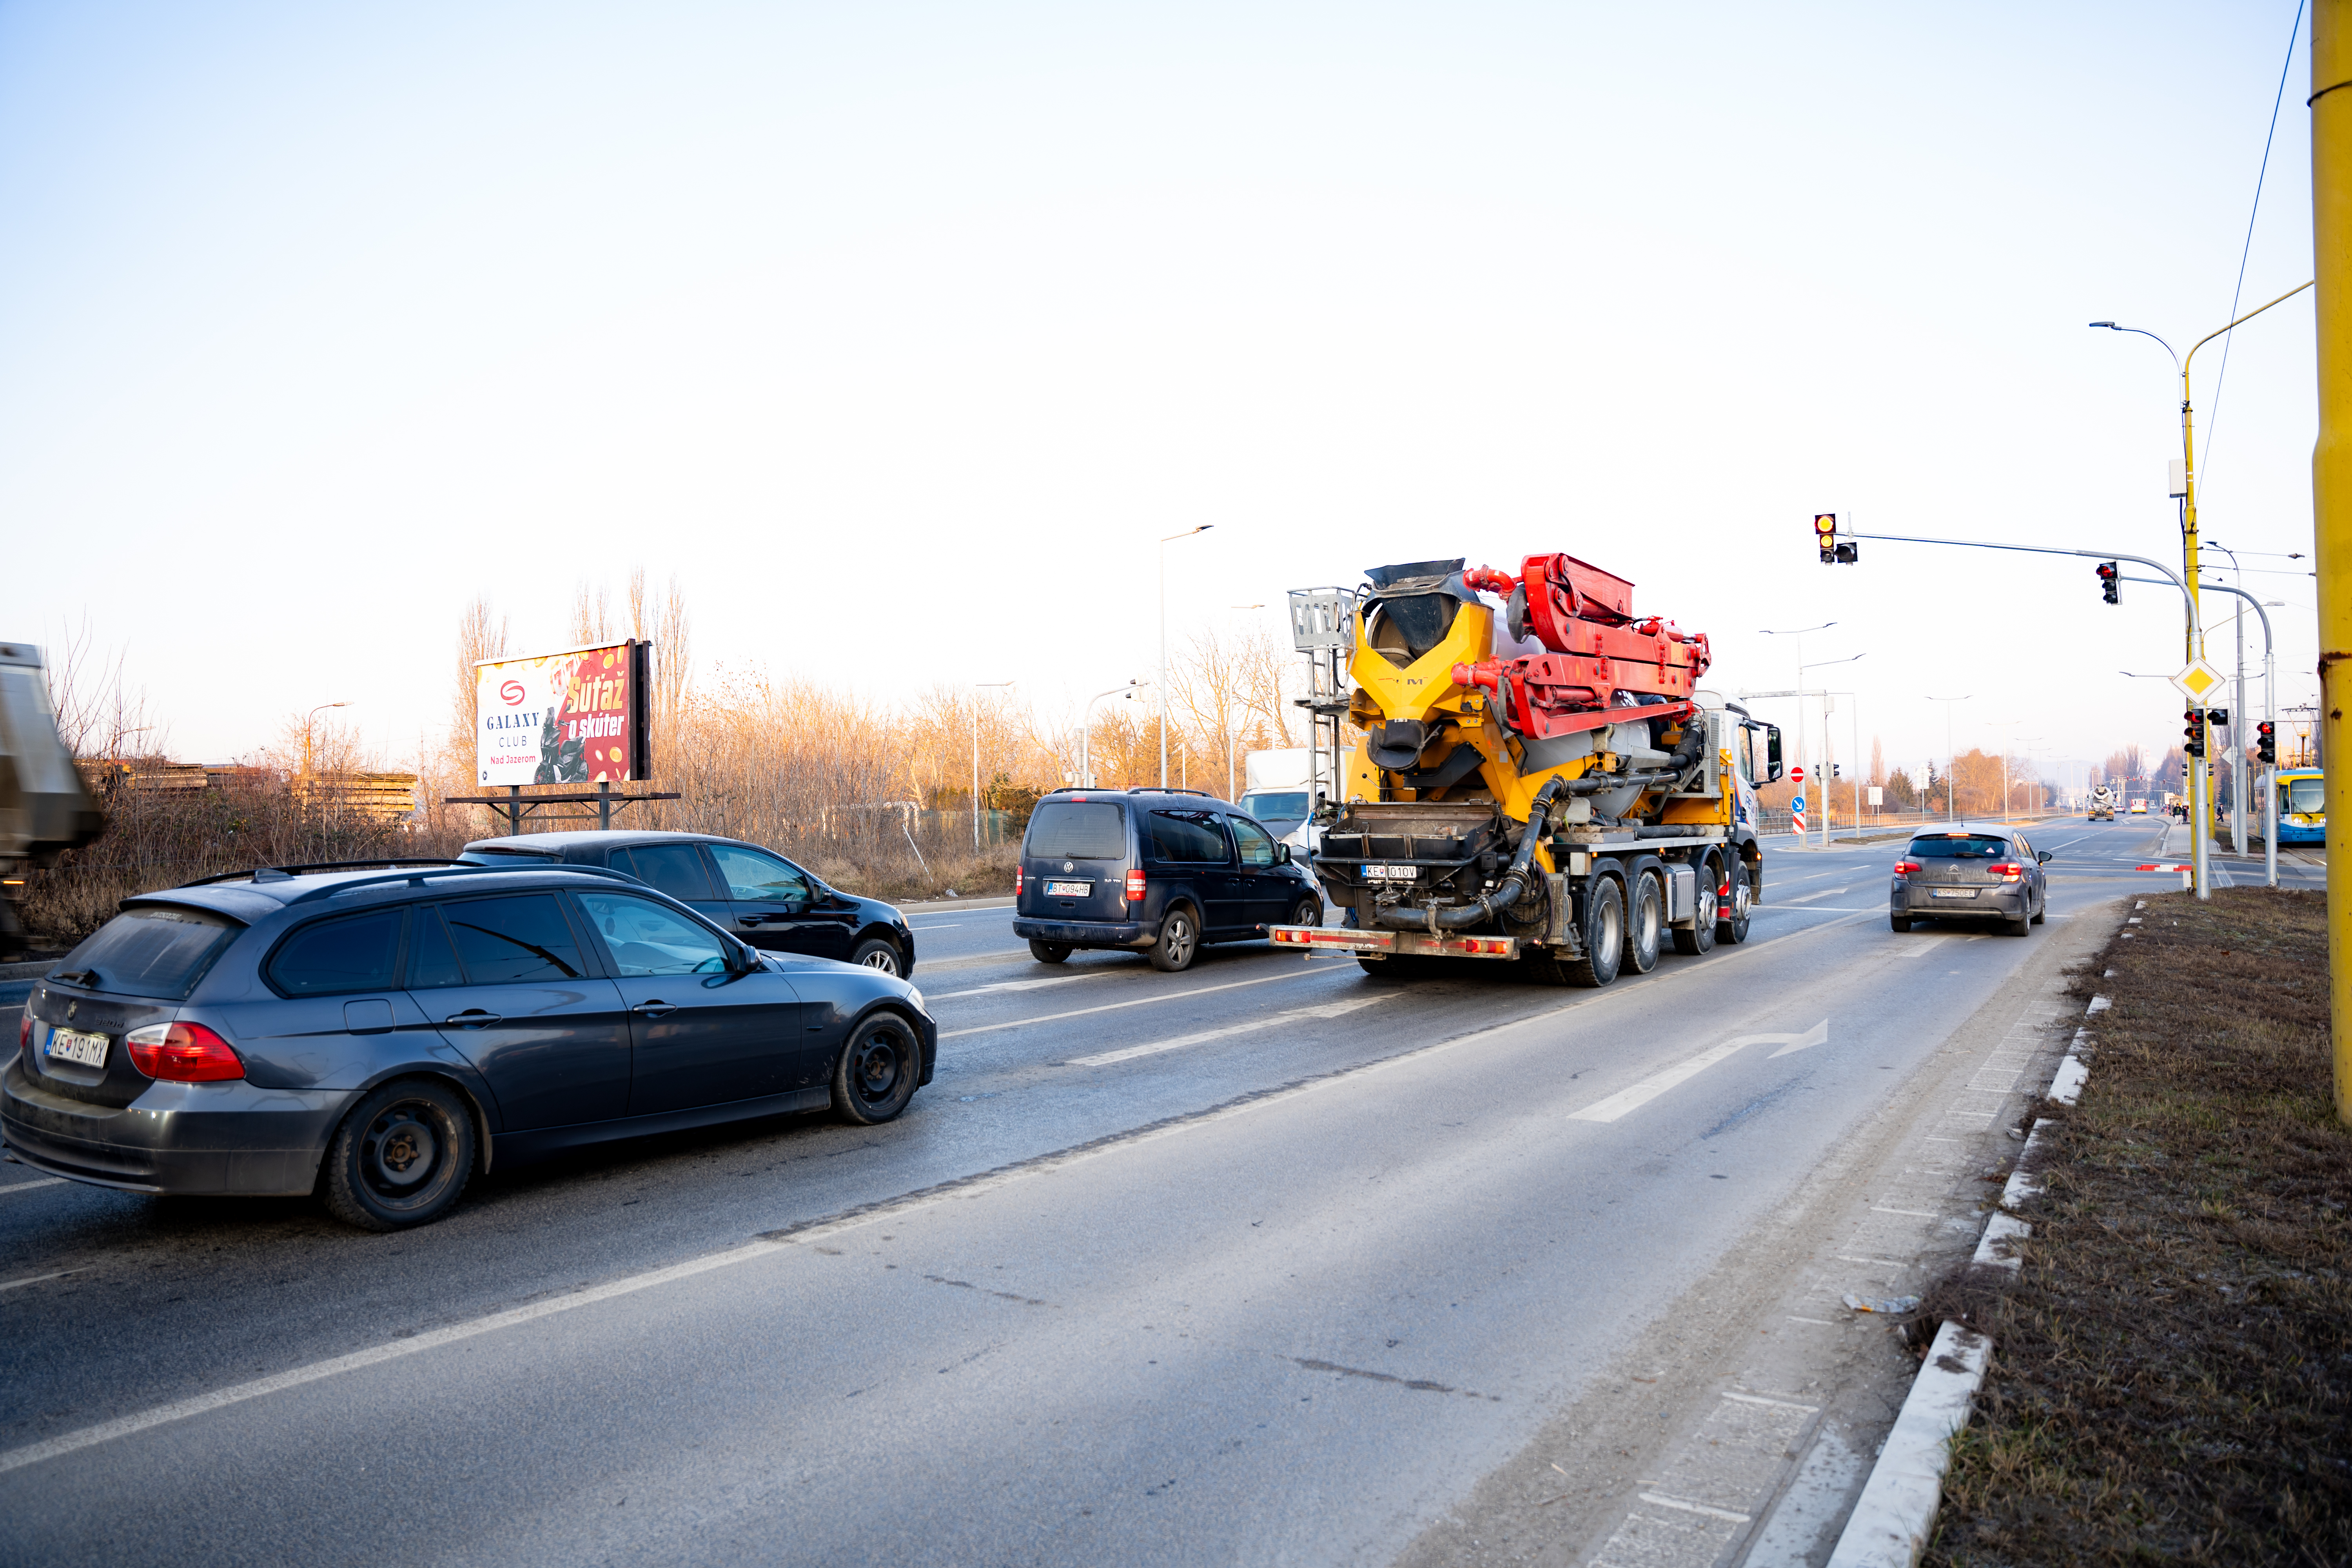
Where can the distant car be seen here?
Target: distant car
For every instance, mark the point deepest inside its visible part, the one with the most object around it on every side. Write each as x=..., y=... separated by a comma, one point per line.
x=2138, y=808
x=753, y=892
x=1153, y=872
x=377, y=1037
x=1971, y=873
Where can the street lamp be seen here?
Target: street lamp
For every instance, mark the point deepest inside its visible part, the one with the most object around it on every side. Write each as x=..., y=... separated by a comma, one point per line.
x=1163, y=644
x=1952, y=788
x=980, y=686
x=1823, y=784
x=1799, y=633
x=2199, y=829
x=1087, y=732
x=313, y=714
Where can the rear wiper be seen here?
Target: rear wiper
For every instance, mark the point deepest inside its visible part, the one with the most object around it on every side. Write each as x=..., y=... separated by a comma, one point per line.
x=84, y=978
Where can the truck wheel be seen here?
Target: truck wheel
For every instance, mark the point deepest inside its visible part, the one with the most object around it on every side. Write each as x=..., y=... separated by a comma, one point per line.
x=1179, y=940
x=1733, y=927
x=1604, y=934
x=1700, y=938
x=1643, y=921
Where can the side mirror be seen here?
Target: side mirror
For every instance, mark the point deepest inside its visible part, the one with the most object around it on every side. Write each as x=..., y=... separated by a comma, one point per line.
x=2043, y=857
x=1282, y=854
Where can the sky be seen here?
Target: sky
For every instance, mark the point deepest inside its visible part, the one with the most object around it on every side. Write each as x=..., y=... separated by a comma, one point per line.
x=899, y=335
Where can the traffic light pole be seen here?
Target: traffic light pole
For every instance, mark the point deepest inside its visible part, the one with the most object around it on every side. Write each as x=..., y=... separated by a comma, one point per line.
x=2237, y=727
x=2200, y=830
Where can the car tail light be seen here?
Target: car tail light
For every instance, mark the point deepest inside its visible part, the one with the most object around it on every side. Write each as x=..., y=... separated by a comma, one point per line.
x=1135, y=887
x=2007, y=870
x=1016, y=881
x=1904, y=868
x=25, y=1029
x=182, y=1053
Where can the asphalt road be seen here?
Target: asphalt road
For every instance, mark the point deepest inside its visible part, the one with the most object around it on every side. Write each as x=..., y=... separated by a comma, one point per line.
x=1269, y=1261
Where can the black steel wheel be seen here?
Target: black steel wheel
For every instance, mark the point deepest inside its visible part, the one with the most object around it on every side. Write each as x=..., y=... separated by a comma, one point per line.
x=1179, y=940
x=879, y=952
x=1700, y=938
x=876, y=1073
x=1644, y=922
x=1309, y=912
x=1732, y=924
x=1048, y=952
x=1604, y=934
x=401, y=1158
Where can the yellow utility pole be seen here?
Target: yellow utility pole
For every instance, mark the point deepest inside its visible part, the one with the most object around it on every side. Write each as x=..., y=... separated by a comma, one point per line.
x=2331, y=485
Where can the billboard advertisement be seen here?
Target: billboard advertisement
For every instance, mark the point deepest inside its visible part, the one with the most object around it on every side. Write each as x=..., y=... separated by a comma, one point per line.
x=582, y=716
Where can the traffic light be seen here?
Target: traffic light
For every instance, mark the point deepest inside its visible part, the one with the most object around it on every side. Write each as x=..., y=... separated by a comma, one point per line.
x=2194, y=728
x=2266, y=744
x=2110, y=583
x=1826, y=535
x=1837, y=772
x=2218, y=716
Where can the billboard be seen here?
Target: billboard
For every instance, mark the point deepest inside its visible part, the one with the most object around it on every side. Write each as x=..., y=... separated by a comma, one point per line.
x=580, y=716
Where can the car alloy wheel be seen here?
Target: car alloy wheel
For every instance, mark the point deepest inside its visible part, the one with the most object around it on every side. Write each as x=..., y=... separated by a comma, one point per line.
x=876, y=953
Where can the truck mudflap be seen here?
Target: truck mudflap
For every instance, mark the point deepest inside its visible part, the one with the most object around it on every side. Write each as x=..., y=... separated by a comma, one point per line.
x=1388, y=943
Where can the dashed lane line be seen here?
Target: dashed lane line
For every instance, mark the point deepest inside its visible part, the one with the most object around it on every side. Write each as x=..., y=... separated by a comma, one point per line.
x=1295, y=1015
x=28, y=1186
x=1297, y=973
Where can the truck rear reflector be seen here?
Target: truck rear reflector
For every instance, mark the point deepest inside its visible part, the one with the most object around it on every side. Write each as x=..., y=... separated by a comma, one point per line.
x=1381, y=944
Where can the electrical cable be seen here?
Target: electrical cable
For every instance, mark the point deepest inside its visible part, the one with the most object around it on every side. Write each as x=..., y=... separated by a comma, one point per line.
x=2213, y=417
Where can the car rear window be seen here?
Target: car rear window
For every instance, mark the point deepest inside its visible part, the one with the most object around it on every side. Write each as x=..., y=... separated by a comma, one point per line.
x=155, y=949
x=1962, y=846
x=360, y=953
x=510, y=941
x=1073, y=830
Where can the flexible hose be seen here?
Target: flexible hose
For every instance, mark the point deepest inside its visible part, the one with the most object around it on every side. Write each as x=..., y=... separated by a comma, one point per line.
x=1489, y=905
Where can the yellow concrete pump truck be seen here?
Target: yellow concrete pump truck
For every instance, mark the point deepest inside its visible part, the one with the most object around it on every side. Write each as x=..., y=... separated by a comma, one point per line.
x=1540, y=780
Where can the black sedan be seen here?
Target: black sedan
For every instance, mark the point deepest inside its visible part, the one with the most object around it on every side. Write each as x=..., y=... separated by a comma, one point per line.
x=767, y=900
x=381, y=1037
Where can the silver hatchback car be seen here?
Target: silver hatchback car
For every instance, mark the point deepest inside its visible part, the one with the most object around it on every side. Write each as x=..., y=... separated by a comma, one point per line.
x=1971, y=873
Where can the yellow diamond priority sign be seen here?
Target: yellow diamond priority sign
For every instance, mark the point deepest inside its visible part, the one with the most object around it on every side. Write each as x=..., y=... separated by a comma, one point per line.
x=2199, y=682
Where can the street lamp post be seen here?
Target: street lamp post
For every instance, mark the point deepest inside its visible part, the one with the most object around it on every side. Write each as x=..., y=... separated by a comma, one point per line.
x=979, y=686
x=1087, y=732
x=1799, y=633
x=1951, y=784
x=2201, y=828
x=1163, y=644
x=313, y=714
x=1823, y=784
x=2237, y=725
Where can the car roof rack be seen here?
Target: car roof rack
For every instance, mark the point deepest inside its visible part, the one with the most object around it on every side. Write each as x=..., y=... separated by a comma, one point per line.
x=277, y=873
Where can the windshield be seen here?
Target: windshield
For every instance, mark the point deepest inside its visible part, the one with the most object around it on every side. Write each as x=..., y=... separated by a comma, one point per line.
x=1964, y=846
x=1071, y=831
x=2308, y=796
x=157, y=951
x=1275, y=806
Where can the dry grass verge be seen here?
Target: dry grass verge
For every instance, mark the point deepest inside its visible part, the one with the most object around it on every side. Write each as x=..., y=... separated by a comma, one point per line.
x=2172, y=1376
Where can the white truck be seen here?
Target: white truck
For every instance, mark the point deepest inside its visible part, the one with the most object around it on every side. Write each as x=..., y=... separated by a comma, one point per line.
x=1279, y=789
x=2103, y=804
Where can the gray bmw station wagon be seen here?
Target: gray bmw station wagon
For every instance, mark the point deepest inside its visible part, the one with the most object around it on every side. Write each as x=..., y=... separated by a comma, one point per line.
x=381, y=1037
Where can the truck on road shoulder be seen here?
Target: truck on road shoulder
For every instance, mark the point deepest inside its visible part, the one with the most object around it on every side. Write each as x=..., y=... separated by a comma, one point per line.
x=44, y=807
x=1541, y=780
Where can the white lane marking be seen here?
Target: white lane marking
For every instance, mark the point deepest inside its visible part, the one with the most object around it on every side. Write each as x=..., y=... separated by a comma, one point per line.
x=28, y=1186
x=1823, y=893
x=1296, y=1015
x=1791, y=908
x=1657, y=1083
x=1849, y=1258
x=1914, y=1214
x=37, y=1278
x=1820, y=1323
x=1817, y=1035
x=1780, y=1404
x=1662, y=1500
x=1137, y=1002
x=1024, y=985
x=949, y=926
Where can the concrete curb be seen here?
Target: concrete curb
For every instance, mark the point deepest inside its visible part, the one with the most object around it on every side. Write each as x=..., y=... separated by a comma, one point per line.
x=1897, y=1511
x=932, y=906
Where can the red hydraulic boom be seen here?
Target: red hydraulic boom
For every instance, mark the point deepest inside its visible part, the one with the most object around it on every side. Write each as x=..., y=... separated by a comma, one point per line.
x=1584, y=617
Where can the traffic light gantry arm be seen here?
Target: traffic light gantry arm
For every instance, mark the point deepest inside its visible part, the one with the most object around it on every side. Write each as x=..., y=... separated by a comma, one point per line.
x=2196, y=624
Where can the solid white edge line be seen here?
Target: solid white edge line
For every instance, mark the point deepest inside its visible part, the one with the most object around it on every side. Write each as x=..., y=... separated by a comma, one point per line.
x=28, y=1186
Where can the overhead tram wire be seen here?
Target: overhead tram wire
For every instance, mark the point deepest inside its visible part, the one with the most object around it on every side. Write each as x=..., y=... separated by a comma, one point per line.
x=2213, y=415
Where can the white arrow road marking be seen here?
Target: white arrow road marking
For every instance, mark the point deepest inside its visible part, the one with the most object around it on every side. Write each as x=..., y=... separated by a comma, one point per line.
x=1657, y=1083
x=1295, y=1015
